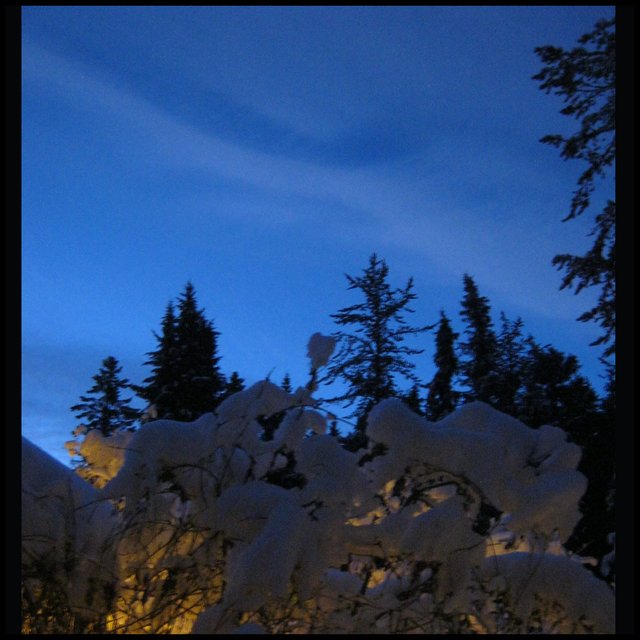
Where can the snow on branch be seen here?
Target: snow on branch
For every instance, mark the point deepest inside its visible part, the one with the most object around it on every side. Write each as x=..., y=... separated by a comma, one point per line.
x=454, y=526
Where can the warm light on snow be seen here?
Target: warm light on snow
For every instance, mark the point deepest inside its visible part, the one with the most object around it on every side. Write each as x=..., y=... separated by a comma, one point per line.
x=206, y=539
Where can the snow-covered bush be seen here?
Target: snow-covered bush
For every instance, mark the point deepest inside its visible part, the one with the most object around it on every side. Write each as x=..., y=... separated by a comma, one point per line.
x=103, y=455
x=453, y=526
x=68, y=560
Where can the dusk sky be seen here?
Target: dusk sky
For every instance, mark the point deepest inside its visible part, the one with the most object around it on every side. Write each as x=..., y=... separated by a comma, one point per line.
x=264, y=152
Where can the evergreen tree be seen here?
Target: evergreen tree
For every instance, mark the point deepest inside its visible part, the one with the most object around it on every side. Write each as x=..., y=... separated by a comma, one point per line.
x=510, y=363
x=234, y=384
x=412, y=399
x=554, y=392
x=286, y=383
x=369, y=358
x=103, y=408
x=585, y=77
x=608, y=402
x=599, y=464
x=479, y=363
x=200, y=385
x=186, y=381
x=160, y=385
x=596, y=436
x=441, y=398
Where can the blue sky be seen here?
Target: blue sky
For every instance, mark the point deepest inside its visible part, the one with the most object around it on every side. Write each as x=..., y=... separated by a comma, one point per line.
x=264, y=152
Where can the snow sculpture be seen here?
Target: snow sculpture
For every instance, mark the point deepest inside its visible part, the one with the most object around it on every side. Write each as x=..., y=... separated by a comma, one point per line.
x=453, y=526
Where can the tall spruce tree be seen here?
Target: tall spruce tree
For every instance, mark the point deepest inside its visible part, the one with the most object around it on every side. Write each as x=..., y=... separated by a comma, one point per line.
x=372, y=354
x=595, y=433
x=103, y=408
x=159, y=388
x=441, y=398
x=479, y=352
x=554, y=392
x=201, y=385
x=186, y=380
x=585, y=78
x=510, y=364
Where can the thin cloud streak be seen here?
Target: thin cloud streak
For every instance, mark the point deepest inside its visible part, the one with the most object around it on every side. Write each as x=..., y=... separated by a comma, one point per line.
x=396, y=212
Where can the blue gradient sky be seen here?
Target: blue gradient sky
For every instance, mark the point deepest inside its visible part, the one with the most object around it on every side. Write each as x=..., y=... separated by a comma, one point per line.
x=264, y=152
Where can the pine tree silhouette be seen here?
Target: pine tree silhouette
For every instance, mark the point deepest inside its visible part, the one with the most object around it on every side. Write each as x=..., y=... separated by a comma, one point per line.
x=441, y=398
x=373, y=354
x=479, y=352
x=186, y=380
x=102, y=408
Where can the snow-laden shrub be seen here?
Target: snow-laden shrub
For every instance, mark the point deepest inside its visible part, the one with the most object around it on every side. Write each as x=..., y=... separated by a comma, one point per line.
x=103, y=455
x=68, y=560
x=453, y=526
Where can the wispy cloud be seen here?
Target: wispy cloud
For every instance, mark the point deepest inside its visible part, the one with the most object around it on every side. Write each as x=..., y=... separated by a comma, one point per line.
x=382, y=205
